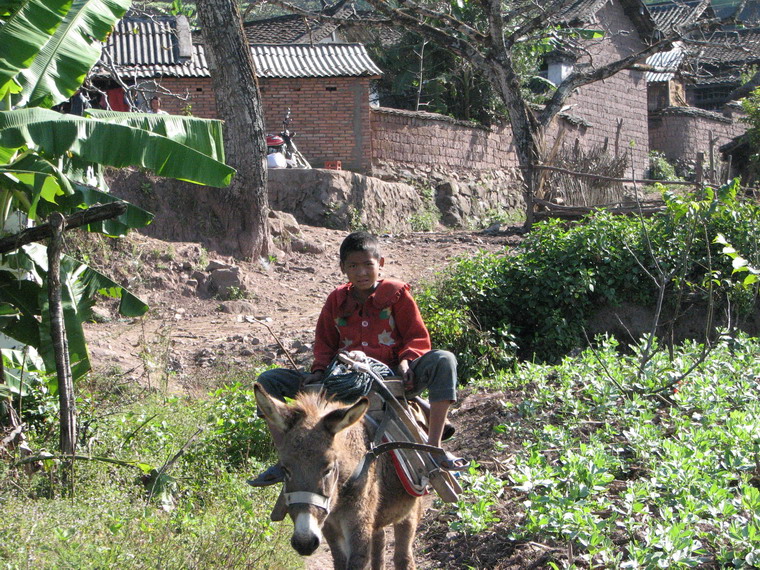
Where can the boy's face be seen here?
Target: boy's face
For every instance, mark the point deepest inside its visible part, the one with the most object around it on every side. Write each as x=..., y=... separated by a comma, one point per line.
x=362, y=269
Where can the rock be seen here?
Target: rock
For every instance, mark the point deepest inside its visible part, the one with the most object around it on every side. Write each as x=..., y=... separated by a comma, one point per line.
x=215, y=265
x=101, y=314
x=222, y=280
x=237, y=307
x=299, y=245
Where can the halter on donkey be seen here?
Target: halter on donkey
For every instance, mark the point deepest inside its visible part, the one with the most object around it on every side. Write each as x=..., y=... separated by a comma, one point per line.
x=334, y=487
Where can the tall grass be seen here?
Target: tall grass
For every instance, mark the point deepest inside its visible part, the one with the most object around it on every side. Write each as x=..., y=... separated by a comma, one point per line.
x=196, y=512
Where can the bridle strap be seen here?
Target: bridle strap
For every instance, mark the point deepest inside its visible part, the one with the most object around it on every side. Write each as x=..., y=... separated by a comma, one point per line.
x=306, y=498
x=376, y=451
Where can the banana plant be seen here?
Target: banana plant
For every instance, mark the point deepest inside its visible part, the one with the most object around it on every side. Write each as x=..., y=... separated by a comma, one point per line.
x=54, y=162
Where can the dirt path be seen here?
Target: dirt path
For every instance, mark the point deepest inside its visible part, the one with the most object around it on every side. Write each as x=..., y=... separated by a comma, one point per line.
x=185, y=333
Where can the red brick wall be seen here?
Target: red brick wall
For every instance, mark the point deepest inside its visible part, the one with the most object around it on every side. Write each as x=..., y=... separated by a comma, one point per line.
x=196, y=90
x=600, y=105
x=623, y=96
x=329, y=115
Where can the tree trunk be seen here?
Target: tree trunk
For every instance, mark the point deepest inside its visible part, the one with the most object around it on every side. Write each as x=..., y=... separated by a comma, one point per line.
x=243, y=207
x=68, y=419
x=526, y=131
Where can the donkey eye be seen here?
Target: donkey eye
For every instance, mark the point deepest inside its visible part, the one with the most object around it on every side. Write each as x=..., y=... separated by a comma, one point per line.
x=328, y=471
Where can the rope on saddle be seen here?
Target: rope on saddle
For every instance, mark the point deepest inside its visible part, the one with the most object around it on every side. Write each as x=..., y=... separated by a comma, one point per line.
x=346, y=384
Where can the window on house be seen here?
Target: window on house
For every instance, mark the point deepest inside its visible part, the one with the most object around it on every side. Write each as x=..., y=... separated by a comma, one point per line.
x=710, y=98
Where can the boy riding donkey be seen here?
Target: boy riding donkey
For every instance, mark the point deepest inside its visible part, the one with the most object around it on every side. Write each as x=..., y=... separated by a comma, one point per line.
x=380, y=318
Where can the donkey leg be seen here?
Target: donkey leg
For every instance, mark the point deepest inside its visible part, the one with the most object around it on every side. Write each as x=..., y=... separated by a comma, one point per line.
x=359, y=548
x=403, y=534
x=378, y=549
x=337, y=545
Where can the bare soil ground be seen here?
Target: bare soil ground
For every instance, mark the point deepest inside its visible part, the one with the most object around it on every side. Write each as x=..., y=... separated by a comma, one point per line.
x=185, y=335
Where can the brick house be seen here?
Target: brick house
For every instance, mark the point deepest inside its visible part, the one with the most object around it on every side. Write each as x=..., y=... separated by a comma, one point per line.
x=325, y=85
x=690, y=87
x=610, y=113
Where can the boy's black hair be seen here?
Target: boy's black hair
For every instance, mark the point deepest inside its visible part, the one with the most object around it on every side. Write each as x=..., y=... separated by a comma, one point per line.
x=360, y=241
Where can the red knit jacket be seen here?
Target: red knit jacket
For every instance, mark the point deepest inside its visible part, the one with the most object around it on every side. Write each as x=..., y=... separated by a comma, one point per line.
x=388, y=326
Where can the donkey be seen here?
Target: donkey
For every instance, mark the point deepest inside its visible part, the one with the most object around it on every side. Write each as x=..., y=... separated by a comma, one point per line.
x=321, y=445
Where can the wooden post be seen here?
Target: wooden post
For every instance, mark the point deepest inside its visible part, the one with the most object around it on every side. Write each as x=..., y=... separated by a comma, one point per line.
x=699, y=175
x=68, y=419
x=530, y=177
x=712, y=157
x=728, y=168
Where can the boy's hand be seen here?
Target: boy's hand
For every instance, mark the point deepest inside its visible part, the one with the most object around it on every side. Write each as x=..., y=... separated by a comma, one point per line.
x=406, y=374
x=312, y=378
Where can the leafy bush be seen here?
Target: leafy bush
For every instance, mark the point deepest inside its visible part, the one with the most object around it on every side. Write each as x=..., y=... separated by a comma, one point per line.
x=542, y=295
x=645, y=474
x=660, y=168
x=236, y=433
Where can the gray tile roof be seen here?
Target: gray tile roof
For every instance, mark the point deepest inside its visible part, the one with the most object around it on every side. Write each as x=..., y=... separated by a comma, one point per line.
x=738, y=47
x=666, y=64
x=288, y=29
x=161, y=46
x=716, y=58
x=296, y=29
x=319, y=60
x=670, y=15
x=159, y=40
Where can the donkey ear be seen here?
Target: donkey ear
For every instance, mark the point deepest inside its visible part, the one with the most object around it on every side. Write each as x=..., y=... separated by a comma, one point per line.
x=277, y=415
x=342, y=418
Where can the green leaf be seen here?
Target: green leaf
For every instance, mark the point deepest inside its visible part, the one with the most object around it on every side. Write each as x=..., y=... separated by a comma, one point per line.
x=113, y=144
x=30, y=26
x=588, y=34
x=63, y=62
x=204, y=135
x=38, y=178
x=86, y=196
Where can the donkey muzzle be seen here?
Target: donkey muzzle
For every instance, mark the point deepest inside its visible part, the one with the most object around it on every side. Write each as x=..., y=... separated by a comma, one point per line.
x=307, y=536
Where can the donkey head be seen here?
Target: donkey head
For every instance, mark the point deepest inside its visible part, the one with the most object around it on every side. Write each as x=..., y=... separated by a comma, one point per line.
x=310, y=435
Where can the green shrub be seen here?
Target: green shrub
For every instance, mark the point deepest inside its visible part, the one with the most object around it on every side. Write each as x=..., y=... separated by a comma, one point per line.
x=660, y=168
x=542, y=295
x=236, y=434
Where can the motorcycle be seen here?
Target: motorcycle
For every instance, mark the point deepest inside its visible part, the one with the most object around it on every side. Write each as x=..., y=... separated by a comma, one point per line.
x=281, y=149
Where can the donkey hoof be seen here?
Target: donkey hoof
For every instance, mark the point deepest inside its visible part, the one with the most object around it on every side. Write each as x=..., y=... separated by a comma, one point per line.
x=275, y=474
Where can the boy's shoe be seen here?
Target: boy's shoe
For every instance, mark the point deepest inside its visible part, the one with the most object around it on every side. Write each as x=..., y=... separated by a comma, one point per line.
x=275, y=474
x=450, y=462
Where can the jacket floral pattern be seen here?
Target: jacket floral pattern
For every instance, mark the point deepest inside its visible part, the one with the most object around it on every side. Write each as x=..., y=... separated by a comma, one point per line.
x=387, y=326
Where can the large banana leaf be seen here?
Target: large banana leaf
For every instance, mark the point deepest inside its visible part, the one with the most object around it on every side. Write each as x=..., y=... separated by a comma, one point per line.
x=29, y=27
x=113, y=144
x=21, y=365
x=204, y=135
x=38, y=178
x=29, y=295
x=64, y=61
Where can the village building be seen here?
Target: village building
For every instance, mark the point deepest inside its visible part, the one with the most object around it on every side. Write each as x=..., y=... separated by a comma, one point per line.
x=327, y=84
x=690, y=87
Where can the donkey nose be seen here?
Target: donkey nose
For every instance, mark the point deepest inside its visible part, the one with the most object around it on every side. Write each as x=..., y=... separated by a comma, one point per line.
x=305, y=545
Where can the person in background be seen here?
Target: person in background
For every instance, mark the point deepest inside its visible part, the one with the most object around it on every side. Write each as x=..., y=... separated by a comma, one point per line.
x=155, y=106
